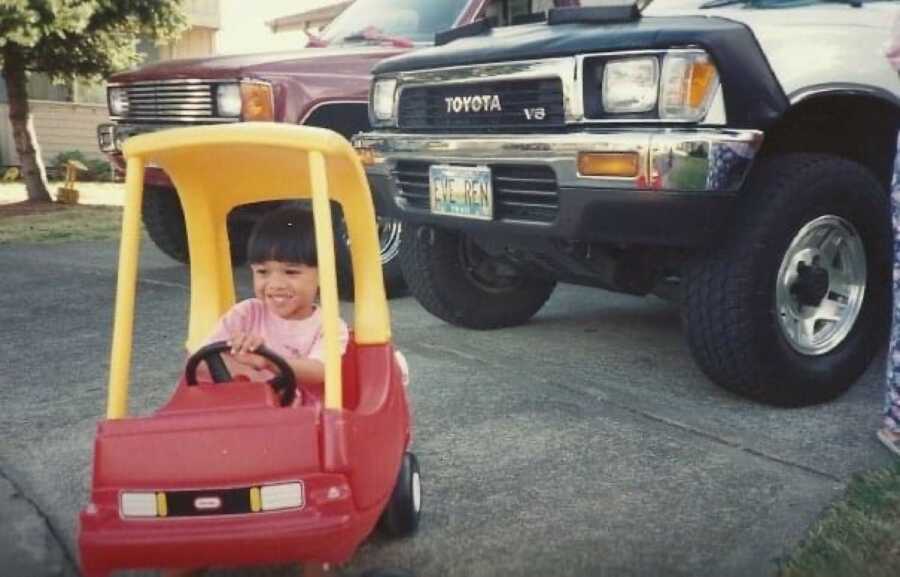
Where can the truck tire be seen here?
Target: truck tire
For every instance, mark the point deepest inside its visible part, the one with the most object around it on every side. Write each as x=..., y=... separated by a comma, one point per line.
x=389, y=232
x=164, y=221
x=794, y=302
x=457, y=282
x=348, y=119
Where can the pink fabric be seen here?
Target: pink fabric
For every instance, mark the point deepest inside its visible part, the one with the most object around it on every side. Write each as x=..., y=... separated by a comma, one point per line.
x=892, y=51
x=288, y=338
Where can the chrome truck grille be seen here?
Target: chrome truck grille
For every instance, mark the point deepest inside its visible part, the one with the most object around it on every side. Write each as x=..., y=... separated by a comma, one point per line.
x=171, y=102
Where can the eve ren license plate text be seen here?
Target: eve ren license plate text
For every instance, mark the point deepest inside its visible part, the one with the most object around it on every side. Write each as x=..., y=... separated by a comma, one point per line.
x=461, y=191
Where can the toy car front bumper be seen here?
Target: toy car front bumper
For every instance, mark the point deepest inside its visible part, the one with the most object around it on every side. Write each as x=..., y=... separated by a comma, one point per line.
x=108, y=545
x=684, y=185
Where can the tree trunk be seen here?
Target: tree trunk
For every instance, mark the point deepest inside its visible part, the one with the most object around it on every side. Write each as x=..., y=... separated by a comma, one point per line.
x=31, y=164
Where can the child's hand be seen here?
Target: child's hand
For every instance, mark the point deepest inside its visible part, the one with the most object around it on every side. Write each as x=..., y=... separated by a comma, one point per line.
x=242, y=343
x=243, y=347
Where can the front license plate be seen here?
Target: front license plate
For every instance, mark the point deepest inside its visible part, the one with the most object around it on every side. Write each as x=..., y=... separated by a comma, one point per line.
x=461, y=191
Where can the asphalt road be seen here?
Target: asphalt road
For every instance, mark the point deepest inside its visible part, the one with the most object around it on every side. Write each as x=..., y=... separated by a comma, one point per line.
x=585, y=443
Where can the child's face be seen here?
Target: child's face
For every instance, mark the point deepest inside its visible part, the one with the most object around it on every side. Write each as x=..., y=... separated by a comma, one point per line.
x=287, y=289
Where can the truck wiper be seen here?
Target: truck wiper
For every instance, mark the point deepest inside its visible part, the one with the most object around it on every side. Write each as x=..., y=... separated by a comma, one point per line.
x=475, y=28
x=373, y=34
x=720, y=3
x=764, y=3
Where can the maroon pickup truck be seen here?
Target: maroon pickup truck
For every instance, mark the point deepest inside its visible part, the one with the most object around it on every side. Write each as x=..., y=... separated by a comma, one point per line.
x=325, y=84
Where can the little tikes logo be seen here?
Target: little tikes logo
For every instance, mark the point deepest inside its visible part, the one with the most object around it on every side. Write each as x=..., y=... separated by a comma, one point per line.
x=475, y=103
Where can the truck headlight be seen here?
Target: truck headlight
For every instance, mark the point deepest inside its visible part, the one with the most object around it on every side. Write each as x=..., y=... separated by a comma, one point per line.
x=383, y=96
x=630, y=86
x=674, y=85
x=689, y=83
x=228, y=99
x=245, y=100
x=117, y=99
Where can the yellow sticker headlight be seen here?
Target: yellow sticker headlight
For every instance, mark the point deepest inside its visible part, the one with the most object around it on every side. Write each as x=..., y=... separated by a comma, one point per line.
x=689, y=84
x=142, y=504
x=285, y=496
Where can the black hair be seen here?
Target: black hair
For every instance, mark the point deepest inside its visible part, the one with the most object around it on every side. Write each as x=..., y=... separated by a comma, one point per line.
x=285, y=234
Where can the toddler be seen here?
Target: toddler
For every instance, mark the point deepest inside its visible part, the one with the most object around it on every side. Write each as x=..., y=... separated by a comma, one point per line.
x=283, y=315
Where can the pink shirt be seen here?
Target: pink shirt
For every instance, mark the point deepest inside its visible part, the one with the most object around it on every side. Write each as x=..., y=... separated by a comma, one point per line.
x=892, y=50
x=288, y=338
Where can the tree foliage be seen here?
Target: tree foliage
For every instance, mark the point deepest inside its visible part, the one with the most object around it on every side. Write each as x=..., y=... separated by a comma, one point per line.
x=87, y=38
x=65, y=39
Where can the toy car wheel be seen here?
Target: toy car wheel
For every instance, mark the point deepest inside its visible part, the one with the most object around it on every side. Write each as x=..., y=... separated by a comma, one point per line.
x=794, y=303
x=401, y=516
x=456, y=280
x=164, y=220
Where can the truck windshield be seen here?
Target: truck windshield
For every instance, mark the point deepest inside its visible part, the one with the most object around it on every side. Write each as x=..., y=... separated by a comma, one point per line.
x=413, y=20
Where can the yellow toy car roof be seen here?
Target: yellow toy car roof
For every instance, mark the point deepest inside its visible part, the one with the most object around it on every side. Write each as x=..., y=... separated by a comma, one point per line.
x=216, y=168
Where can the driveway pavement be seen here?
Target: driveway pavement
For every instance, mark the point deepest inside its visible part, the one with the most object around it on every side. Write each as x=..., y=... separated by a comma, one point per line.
x=585, y=443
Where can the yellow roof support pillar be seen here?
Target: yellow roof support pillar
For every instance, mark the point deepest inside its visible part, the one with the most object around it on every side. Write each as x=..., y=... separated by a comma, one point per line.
x=129, y=253
x=327, y=278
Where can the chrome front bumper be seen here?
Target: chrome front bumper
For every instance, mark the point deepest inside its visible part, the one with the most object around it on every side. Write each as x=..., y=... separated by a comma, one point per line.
x=677, y=160
x=111, y=137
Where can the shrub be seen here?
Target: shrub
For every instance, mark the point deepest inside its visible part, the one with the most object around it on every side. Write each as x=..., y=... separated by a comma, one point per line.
x=97, y=170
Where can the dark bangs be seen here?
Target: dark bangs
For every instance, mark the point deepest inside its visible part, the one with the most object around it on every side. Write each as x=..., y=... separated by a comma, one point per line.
x=287, y=235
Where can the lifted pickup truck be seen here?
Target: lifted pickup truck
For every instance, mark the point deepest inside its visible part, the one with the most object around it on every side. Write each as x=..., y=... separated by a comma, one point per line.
x=733, y=155
x=326, y=85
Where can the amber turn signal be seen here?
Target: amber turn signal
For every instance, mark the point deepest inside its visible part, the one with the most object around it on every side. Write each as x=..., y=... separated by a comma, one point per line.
x=256, y=102
x=366, y=156
x=620, y=164
x=703, y=75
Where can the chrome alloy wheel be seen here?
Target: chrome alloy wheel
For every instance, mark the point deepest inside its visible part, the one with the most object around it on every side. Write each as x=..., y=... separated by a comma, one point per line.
x=389, y=238
x=820, y=285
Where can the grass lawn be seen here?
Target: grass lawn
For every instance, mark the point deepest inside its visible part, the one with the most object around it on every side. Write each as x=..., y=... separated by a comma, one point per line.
x=53, y=222
x=857, y=537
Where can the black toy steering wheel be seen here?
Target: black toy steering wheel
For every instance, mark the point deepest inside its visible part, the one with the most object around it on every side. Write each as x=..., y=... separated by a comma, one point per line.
x=284, y=383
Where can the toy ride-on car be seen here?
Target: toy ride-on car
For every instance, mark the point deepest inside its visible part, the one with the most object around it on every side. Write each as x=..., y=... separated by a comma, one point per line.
x=238, y=472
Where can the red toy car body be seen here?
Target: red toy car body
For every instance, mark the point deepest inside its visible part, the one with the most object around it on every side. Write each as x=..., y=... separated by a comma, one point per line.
x=223, y=474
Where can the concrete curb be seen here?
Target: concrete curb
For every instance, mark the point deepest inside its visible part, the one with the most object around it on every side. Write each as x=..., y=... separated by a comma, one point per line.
x=28, y=545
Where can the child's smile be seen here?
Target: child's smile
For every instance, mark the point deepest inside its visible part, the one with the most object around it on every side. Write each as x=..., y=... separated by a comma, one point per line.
x=287, y=289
